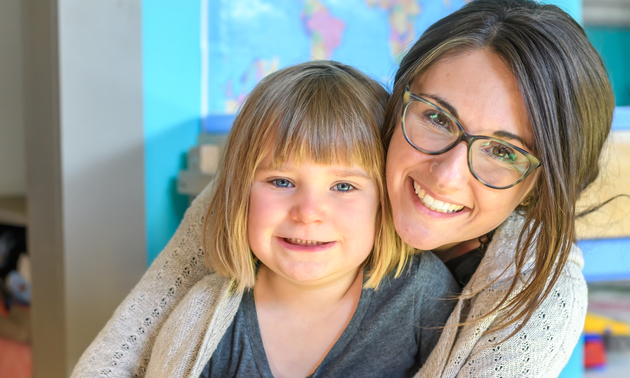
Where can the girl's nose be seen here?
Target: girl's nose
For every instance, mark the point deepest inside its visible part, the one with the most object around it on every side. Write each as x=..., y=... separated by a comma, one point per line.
x=450, y=169
x=309, y=207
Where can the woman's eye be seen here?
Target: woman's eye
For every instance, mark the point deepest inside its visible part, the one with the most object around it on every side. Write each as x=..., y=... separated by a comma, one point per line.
x=282, y=183
x=439, y=119
x=343, y=187
x=503, y=152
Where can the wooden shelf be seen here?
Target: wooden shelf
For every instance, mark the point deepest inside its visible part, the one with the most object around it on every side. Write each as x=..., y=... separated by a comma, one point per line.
x=13, y=210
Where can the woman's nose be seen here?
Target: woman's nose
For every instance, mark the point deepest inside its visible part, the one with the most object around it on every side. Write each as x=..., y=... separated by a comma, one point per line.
x=450, y=169
x=309, y=207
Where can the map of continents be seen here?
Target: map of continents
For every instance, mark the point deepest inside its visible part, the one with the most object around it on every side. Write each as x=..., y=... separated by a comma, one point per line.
x=249, y=39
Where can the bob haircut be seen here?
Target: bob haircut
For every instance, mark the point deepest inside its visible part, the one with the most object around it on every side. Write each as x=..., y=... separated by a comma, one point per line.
x=321, y=111
x=570, y=105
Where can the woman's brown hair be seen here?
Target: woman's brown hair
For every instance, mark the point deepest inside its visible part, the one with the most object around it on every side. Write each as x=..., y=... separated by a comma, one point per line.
x=570, y=106
x=320, y=111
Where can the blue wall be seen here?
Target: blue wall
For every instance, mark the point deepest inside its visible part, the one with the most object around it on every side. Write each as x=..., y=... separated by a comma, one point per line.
x=572, y=7
x=172, y=100
x=172, y=109
x=613, y=44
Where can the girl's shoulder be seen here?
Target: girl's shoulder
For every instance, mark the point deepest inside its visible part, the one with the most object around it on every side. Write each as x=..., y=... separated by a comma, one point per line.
x=419, y=261
x=427, y=267
x=424, y=275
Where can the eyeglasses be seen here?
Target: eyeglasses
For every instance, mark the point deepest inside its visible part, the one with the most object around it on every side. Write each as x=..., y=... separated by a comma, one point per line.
x=432, y=130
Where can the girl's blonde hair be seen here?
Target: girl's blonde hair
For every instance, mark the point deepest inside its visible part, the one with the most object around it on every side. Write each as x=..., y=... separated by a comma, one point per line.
x=320, y=111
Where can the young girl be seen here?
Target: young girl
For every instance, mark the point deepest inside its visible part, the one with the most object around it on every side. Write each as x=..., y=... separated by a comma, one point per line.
x=310, y=278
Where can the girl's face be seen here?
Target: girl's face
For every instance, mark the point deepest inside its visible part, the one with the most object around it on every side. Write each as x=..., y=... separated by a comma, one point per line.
x=481, y=92
x=312, y=224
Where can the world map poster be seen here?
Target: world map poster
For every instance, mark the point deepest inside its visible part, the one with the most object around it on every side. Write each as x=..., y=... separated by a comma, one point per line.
x=245, y=40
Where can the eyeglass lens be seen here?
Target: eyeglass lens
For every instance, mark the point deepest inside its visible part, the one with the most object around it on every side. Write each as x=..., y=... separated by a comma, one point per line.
x=491, y=160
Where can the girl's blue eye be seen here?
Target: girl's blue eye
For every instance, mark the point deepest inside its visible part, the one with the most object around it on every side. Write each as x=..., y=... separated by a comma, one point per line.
x=281, y=183
x=344, y=187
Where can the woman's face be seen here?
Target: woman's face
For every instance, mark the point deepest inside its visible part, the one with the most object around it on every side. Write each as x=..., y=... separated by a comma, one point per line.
x=481, y=92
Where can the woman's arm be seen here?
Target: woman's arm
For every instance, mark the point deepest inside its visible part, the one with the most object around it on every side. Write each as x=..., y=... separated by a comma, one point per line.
x=123, y=347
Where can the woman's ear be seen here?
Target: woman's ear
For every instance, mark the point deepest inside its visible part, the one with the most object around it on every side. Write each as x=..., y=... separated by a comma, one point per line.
x=530, y=195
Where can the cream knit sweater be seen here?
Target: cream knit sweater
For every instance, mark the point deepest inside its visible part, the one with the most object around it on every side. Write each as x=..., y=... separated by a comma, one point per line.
x=123, y=348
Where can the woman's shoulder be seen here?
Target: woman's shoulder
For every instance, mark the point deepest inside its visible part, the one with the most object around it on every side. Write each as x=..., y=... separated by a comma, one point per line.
x=562, y=312
x=548, y=336
x=544, y=343
x=498, y=265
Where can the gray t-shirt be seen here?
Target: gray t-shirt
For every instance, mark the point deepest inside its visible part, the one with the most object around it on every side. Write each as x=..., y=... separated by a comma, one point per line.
x=391, y=333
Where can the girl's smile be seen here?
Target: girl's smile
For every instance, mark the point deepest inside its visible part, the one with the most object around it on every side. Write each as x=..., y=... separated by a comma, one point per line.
x=300, y=245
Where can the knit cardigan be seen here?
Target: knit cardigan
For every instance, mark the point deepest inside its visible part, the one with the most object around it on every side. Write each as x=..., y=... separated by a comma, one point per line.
x=129, y=343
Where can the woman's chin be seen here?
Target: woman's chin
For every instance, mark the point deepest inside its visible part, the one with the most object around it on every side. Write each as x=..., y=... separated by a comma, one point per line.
x=417, y=237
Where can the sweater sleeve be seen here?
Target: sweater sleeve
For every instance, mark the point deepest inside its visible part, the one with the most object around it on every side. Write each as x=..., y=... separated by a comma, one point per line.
x=543, y=346
x=123, y=347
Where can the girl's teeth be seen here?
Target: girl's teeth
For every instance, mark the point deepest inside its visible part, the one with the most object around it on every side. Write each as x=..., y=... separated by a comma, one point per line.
x=303, y=242
x=432, y=203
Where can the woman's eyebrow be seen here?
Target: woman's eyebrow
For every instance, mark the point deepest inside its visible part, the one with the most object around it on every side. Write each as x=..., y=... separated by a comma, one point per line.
x=508, y=135
x=442, y=102
x=451, y=109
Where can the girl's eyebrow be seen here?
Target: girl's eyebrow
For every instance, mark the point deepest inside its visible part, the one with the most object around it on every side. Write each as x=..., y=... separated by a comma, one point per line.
x=340, y=172
x=351, y=172
x=337, y=171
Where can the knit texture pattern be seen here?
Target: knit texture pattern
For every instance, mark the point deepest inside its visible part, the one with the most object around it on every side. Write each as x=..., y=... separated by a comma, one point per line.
x=123, y=347
x=130, y=338
x=540, y=349
x=194, y=329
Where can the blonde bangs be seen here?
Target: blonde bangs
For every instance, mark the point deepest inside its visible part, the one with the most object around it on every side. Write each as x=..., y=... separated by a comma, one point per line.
x=326, y=122
x=305, y=142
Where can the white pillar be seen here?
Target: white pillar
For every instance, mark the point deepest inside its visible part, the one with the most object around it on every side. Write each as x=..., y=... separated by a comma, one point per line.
x=85, y=169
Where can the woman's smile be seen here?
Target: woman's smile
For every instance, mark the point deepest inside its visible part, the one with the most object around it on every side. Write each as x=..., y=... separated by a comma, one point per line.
x=434, y=204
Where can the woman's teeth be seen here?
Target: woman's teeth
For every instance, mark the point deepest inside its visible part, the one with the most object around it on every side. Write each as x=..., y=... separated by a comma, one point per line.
x=433, y=204
x=303, y=242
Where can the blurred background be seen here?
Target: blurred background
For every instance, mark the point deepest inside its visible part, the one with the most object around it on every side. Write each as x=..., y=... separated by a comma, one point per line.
x=112, y=116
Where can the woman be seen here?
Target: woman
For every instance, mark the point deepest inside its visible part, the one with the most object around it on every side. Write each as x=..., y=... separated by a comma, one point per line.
x=495, y=126
x=500, y=110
